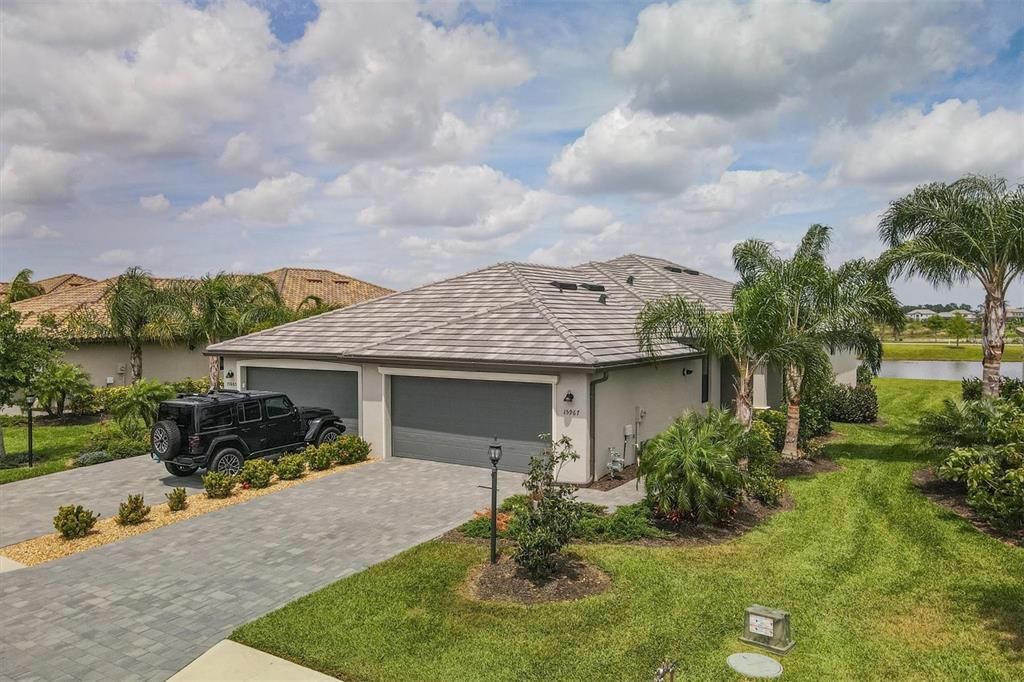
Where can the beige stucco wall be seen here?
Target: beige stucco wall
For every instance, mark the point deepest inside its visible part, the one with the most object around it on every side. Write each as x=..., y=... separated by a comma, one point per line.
x=166, y=363
x=661, y=392
x=844, y=364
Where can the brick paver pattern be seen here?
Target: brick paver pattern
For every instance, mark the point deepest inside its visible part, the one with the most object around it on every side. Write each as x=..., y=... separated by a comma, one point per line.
x=143, y=608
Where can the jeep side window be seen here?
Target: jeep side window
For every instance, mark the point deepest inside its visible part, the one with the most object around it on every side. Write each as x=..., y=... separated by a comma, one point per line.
x=249, y=412
x=214, y=417
x=278, y=406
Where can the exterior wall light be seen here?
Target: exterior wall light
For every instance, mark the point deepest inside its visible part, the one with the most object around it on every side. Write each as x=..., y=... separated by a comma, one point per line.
x=687, y=372
x=569, y=397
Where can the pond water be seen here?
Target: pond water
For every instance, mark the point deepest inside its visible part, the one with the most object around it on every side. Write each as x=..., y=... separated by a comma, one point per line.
x=941, y=369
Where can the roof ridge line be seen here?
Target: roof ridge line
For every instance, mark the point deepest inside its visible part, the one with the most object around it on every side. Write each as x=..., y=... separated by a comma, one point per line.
x=655, y=270
x=558, y=325
x=629, y=290
x=439, y=325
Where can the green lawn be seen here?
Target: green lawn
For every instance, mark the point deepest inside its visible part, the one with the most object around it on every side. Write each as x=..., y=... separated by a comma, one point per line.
x=51, y=448
x=881, y=583
x=945, y=351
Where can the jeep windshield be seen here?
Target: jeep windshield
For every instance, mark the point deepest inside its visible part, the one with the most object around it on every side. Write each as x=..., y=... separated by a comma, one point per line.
x=179, y=414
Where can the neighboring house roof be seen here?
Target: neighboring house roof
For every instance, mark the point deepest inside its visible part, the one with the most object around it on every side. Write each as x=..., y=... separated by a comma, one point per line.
x=921, y=311
x=294, y=284
x=505, y=313
x=51, y=284
x=953, y=313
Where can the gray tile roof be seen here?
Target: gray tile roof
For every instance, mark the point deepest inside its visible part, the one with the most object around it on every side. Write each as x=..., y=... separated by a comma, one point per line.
x=508, y=313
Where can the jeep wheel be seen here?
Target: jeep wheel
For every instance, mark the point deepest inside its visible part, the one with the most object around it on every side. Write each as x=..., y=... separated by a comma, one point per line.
x=227, y=461
x=328, y=434
x=165, y=439
x=179, y=470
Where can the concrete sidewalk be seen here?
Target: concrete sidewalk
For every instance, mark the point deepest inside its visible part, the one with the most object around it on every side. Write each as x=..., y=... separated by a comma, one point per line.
x=627, y=493
x=230, y=661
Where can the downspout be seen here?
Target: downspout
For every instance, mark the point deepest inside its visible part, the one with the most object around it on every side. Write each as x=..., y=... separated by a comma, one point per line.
x=592, y=402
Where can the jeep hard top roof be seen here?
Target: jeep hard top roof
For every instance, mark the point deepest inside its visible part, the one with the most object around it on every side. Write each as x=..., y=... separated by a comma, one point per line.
x=219, y=397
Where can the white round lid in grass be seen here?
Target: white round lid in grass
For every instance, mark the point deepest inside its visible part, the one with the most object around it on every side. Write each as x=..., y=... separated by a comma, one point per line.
x=754, y=665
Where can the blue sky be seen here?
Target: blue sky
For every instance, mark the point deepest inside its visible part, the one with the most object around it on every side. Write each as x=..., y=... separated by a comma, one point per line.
x=402, y=142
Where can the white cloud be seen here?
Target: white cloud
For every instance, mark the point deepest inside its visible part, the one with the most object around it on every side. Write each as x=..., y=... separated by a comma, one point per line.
x=244, y=153
x=157, y=203
x=12, y=224
x=472, y=202
x=150, y=78
x=35, y=175
x=605, y=243
x=738, y=58
x=908, y=147
x=273, y=202
x=117, y=257
x=44, y=232
x=588, y=218
x=627, y=151
x=387, y=79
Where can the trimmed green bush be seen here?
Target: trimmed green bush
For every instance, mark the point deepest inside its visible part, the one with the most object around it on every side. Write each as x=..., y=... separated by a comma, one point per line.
x=864, y=374
x=856, y=405
x=132, y=511
x=776, y=421
x=627, y=523
x=352, y=449
x=1009, y=386
x=321, y=457
x=177, y=499
x=765, y=489
x=758, y=447
x=74, y=521
x=218, y=485
x=96, y=457
x=257, y=473
x=118, y=440
x=291, y=467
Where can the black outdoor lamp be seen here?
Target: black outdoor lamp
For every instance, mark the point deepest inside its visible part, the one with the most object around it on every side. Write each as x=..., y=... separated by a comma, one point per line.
x=494, y=453
x=31, y=400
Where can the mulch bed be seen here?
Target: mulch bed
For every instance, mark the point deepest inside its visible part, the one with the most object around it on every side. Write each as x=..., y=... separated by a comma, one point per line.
x=608, y=483
x=953, y=497
x=789, y=468
x=506, y=582
x=749, y=515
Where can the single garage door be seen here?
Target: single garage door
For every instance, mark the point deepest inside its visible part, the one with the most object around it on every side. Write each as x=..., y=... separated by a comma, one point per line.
x=455, y=420
x=338, y=391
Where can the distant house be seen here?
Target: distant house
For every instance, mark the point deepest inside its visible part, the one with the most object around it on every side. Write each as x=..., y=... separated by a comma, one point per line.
x=968, y=315
x=1015, y=313
x=52, y=284
x=921, y=314
x=107, y=362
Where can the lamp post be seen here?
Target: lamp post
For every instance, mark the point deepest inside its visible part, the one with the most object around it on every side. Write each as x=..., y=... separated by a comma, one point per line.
x=494, y=453
x=31, y=400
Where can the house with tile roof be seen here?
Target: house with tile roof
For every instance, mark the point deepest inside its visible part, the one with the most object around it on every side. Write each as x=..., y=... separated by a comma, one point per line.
x=51, y=284
x=107, y=362
x=511, y=351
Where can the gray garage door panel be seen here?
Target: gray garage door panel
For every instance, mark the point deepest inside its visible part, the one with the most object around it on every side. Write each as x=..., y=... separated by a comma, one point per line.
x=338, y=391
x=455, y=420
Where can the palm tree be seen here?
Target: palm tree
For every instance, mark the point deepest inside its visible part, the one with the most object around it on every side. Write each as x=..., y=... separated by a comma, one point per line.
x=826, y=309
x=952, y=233
x=222, y=306
x=751, y=335
x=137, y=311
x=58, y=383
x=21, y=287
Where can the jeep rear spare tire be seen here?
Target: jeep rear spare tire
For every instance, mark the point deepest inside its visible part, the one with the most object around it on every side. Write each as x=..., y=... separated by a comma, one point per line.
x=227, y=461
x=165, y=439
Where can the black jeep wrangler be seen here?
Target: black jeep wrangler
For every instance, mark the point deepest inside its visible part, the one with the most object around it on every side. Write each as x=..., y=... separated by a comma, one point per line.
x=222, y=429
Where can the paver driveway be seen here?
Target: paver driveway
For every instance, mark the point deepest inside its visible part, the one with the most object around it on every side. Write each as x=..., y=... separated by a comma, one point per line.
x=27, y=507
x=145, y=607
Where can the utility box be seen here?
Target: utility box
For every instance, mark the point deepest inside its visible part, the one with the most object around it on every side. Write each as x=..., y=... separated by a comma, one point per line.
x=768, y=628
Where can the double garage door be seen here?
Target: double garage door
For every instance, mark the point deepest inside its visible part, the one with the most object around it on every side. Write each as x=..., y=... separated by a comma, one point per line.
x=338, y=391
x=456, y=420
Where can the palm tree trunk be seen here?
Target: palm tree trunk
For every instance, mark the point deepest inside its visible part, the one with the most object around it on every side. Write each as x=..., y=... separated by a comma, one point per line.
x=794, y=387
x=214, y=378
x=745, y=396
x=992, y=332
x=135, y=358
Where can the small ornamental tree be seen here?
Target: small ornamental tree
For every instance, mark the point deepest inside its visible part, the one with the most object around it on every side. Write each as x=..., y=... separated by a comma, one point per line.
x=959, y=328
x=542, y=529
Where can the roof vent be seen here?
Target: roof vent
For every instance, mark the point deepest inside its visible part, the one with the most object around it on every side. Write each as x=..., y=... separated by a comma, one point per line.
x=340, y=281
x=593, y=287
x=314, y=281
x=672, y=268
x=630, y=280
x=688, y=271
x=564, y=285
x=603, y=298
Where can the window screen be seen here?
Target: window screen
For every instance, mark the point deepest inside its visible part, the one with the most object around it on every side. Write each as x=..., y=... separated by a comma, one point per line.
x=214, y=417
x=705, y=379
x=249, y=412
x=278, y=406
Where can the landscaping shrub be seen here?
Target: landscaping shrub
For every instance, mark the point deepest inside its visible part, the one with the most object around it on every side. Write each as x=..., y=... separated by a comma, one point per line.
x=291, y=467
x=140, y=401
x=119, y=440
x=256, y=473
x=191, y=385
x=177, y=499
x=765, y=489
x=218, y=485
x=627, y=523
x=690, y=468
x=814, y=422
x=11, y=420
x=321, y=457
x=97, y=457
x=958, y=424
x=851, y=405
x=74, y=521
x=352, y=449
x=762, y=461
x=776, y=421
x=970, y=388
x=86, y=402
x=543, y=528
x=864, y=374
x=108, y=398
x=132, y=511
x=57, y=384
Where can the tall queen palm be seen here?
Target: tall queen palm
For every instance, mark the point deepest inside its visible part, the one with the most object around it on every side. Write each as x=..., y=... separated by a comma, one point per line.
x=971, y=229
